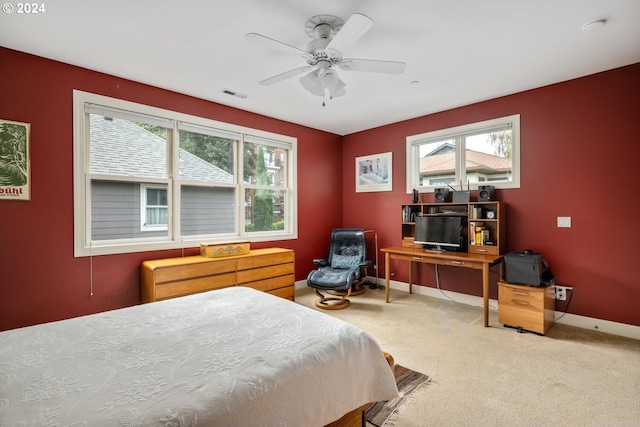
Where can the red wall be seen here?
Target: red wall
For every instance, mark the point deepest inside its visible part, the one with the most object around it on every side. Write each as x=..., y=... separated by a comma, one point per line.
x=40, y=280
x=580, y=151
x=580, y=157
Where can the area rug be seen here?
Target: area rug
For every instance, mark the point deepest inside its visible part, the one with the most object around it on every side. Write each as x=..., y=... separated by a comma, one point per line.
x=408, y=381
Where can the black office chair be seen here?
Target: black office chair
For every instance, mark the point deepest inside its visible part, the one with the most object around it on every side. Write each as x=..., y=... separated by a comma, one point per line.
x=343, y=272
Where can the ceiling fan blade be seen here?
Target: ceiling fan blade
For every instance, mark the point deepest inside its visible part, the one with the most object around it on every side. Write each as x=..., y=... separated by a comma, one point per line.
x=274, y=44
x=355, y=27
x=372, y=66
x=283, y=76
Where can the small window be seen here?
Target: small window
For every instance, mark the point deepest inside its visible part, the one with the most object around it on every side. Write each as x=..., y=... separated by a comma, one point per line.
x=466, y=156
x=155, y=208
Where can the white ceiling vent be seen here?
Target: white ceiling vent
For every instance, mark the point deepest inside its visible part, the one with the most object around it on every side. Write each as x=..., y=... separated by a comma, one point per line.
x=234, y=93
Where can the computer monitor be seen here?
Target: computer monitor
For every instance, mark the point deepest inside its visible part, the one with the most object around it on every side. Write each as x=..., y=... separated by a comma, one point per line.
x=438, y=232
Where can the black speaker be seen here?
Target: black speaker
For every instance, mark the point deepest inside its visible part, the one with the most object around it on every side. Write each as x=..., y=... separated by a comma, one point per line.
x=441, y=195
x=486, y=193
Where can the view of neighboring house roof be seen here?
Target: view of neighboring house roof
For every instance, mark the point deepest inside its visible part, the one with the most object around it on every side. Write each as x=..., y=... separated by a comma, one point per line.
x=120, y=147
x=476, y=161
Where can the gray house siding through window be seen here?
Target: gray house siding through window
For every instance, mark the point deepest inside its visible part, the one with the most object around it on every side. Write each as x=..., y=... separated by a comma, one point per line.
x=120, y=147
x=115, y=211
x=207, y=210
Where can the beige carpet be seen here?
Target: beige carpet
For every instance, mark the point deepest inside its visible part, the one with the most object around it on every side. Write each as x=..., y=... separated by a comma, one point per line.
x=495, y=376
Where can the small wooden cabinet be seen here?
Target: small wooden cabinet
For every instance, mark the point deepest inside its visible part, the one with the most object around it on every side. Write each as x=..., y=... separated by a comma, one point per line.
x=527, y=307
x=476, y=216
x=269, y=270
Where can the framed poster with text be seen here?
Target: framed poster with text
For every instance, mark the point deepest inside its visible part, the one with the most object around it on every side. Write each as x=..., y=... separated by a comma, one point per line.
x=15, y=166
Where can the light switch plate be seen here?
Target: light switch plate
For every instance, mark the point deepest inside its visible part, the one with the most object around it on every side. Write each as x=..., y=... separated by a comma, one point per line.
x=564, y=221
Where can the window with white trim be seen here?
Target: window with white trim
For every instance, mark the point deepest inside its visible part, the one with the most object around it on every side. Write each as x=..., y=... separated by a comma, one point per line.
x=147, y=179
x=154, y=208
x=463, y=157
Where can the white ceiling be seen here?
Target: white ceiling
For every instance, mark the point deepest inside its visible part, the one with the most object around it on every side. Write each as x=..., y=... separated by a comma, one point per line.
x=459, y=52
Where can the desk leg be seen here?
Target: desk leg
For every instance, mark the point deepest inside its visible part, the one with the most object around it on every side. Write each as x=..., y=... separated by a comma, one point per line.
x=387, y=274
x=485, y=291
x=410, y=277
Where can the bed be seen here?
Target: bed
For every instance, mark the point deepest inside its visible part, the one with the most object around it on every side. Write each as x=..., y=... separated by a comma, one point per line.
x=230, y=357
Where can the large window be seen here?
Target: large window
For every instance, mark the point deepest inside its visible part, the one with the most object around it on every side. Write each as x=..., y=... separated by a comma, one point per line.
x=484, y=153
x=147, y=178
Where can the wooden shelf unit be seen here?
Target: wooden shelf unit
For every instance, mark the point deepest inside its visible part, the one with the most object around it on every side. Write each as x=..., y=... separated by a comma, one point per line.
x=471, y=212
x=269, y=270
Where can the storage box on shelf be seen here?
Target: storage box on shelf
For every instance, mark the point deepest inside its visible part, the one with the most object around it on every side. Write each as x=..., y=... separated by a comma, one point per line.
x=484, y=223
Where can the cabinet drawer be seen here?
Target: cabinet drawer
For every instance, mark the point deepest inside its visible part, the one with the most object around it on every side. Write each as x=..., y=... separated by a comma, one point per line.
x=485, y=250
x=521, y=295
x=531, y=320
x=192, y=286
x=208, y=268
x=463, y=263
x=408, y=242
x=246, y=263
x=255, y=274
x=417, y=257
x=521, y=303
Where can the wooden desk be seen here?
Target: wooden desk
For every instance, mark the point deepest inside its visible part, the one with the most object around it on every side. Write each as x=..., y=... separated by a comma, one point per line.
x=454, y=259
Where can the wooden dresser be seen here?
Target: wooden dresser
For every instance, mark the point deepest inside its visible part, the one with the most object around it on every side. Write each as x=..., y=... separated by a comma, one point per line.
x=270, y=270
x=526, y=307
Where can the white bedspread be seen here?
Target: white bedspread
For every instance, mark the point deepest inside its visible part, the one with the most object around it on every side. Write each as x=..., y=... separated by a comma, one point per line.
x=231, y=357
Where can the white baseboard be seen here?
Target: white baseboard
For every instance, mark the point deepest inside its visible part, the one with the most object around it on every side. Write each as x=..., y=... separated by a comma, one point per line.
x=606, y=326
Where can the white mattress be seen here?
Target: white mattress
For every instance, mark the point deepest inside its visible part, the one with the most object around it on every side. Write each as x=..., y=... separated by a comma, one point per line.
x=231, y=357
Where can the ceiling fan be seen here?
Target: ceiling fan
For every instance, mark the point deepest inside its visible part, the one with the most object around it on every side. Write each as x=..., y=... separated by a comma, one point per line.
x=330, y=37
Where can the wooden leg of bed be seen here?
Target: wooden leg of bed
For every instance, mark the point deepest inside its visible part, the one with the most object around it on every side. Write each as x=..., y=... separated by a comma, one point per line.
x=353, y=418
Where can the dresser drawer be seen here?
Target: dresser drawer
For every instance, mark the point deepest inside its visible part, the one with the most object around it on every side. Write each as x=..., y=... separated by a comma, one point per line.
x=272, y=283
x=186, y=271
x=192, y=286
x=246, y=263
x=287, y=293
x=247, y=276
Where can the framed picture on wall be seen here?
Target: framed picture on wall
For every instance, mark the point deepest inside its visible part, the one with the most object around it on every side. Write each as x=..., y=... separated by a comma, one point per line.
x=373, y=173
x=15, y=168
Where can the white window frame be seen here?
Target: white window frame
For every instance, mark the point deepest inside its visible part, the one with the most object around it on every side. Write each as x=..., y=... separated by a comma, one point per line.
x=143, y=208
x=84, y=246
x=413, y=157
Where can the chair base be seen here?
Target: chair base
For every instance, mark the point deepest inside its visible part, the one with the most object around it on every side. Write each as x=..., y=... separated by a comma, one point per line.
x=333, y=303
x=356, y=290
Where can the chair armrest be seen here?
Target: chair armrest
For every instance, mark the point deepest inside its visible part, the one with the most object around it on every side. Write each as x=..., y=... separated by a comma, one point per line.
x=320, y=262
x=364, y=264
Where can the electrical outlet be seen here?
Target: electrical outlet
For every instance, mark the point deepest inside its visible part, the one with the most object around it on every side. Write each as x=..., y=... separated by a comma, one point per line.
x=561, y=292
